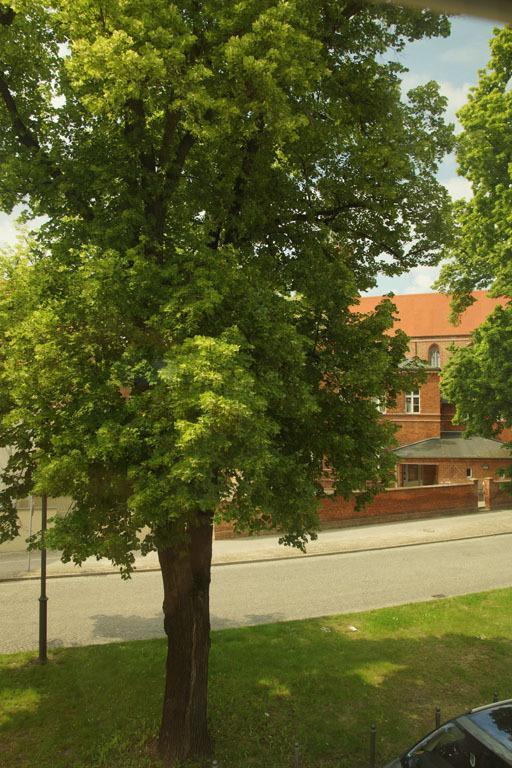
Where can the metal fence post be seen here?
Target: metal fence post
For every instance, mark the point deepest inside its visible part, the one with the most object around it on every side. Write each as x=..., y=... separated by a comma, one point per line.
x=296, y=755
x=373, y=745
x=438, y=717
x=495, y=696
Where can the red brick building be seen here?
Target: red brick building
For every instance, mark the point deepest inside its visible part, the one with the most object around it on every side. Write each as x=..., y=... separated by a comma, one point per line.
x=432, y=449
x=439, y=472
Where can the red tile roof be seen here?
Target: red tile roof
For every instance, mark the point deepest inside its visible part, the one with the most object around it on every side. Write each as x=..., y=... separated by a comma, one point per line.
x=428, y=314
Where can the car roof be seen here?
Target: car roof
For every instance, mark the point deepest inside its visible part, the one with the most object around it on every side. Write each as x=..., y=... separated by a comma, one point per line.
x=492, y=725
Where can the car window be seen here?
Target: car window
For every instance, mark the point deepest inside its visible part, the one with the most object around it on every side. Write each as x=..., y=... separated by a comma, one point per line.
x=446, y=747
x=452, y=747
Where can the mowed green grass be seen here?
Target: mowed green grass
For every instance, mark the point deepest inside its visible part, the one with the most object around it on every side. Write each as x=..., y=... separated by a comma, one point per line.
x=316, y=681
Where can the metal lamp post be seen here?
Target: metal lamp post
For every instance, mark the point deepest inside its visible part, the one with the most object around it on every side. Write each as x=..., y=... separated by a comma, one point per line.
x=43, y=600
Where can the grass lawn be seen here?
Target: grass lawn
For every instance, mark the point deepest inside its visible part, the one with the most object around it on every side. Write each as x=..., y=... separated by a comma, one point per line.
x=316, y=681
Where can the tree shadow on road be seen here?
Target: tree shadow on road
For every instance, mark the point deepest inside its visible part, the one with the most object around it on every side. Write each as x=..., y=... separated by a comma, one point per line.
x=115, y=627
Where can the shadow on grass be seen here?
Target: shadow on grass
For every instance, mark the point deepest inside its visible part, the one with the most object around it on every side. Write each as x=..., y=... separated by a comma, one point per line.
x=315, y=681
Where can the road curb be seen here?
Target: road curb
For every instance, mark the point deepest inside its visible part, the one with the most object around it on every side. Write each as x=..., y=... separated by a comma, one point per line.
x=247, y=561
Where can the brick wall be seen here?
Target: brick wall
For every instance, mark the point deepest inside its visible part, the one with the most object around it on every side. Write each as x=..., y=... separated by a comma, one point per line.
x=455, y=469
x=447, y=414
x=415, y=427
x=421, y=347
x=393, y=504
x=422, y=425
x=402, y=503
x=497, y=493
x=429, y=398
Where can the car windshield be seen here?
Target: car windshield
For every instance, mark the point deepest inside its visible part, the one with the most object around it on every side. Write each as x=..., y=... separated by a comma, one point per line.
x=497, y=722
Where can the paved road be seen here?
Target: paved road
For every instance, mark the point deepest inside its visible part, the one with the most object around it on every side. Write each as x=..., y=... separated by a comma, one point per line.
x=102, y=609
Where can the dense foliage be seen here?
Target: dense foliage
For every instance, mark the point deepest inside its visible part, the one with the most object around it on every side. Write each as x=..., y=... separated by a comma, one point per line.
x=219, y=183
x=477, y=378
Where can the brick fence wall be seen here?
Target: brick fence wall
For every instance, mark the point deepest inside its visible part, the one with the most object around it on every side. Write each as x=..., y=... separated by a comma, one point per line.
x=497, y=494
x=402, y=503
x=392, y=504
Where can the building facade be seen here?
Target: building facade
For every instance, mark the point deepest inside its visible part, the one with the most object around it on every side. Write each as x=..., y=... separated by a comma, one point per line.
x=432, y=449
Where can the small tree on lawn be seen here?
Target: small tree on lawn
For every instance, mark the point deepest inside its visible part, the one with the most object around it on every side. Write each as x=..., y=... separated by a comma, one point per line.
x=477, y=378
x=218, y=183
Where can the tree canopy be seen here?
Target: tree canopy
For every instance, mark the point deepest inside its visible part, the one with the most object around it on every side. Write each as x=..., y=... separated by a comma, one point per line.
x=477, y=378
x=218, y=181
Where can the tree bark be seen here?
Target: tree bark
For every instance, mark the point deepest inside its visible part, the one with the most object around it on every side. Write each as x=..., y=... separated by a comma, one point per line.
x=186, y=579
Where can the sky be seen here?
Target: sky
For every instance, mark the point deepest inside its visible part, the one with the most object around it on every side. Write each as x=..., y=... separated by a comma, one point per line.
x=454, y=62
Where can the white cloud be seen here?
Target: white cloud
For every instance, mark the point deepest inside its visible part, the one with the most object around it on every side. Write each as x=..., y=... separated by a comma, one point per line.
x=411, y=80
x=457, y=96
x=458, y=187
x=420, y=279
x=11, y=231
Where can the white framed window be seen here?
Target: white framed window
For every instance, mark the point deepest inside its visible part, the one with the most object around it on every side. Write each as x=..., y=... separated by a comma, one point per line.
x=412, y=402
x=434, y=358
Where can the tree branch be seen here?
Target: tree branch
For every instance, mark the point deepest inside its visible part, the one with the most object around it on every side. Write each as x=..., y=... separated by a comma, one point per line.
x=240, y=184
x=29, y=140
x=171, y=120
x=138, y=137
x=328, y=214
x=173, y=174
x=23, y=133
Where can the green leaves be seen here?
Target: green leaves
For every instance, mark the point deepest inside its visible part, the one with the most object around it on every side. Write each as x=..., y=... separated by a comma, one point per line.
x=481, y=253
x=477, y=378
x=219, y=182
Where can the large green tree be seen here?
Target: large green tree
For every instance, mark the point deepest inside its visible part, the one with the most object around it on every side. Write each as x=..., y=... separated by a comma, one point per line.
x=477, y=378
x=218, y=182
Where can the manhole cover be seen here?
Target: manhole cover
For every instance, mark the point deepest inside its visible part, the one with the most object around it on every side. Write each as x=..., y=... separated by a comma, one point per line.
x=440, y=595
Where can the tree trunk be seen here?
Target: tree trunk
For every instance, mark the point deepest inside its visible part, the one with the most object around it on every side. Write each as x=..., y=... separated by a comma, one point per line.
x=186, y=578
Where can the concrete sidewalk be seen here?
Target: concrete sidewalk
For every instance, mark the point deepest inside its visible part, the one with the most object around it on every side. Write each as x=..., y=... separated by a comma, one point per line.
x=14, y=566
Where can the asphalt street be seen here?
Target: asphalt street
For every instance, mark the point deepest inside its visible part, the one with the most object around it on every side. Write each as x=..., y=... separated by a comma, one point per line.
x=103, y=609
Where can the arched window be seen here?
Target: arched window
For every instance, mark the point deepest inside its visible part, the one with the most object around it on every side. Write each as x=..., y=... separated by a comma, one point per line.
x=434, y=358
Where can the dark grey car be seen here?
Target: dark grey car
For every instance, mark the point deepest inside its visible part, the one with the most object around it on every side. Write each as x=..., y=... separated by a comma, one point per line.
x=482, y=738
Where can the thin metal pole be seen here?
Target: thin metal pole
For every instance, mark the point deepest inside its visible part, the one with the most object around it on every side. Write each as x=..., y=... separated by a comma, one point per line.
x=373, y=745
x=296, y=755
x=438, y=717
x=43, y=600
x=31, y=516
